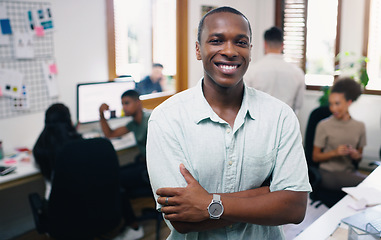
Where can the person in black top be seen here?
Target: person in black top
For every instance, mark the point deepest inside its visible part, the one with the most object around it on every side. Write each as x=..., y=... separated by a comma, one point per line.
x=57, y=131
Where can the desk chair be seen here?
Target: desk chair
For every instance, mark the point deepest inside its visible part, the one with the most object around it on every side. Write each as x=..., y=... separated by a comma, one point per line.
x=85, y=199
x=318, y=194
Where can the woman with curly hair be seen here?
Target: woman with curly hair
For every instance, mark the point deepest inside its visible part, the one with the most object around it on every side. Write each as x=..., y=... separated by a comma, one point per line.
x=340, y=139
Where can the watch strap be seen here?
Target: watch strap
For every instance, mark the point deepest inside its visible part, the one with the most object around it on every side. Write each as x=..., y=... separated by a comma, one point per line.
x=216, y=198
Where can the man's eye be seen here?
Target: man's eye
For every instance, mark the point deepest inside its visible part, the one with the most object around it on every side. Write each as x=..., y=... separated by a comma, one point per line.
x=243, y=43
x=215, y=41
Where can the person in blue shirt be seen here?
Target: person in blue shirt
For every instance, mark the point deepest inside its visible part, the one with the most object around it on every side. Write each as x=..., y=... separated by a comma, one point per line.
x=211, y=148
x=153, y=82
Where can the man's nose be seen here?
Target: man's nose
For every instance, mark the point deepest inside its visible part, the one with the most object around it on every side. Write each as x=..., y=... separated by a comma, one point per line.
x=229, y=50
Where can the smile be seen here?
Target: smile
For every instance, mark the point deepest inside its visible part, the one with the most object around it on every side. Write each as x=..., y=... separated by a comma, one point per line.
x=227, y=68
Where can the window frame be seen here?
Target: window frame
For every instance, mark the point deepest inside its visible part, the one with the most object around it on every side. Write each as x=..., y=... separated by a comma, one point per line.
x=181, y=50
x=279, y=6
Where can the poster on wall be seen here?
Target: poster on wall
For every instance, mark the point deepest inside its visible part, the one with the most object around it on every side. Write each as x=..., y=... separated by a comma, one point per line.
x=22, y=102
x=23, y=45
x=40, y=21
x=49, y=70
x=11, y=83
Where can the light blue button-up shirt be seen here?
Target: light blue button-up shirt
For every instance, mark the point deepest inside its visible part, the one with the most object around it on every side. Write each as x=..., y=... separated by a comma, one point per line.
x=265, y=141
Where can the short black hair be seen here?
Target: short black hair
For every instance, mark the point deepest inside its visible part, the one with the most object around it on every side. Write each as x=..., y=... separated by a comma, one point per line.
x=157, y=65
x=351, y=89
x=273, y=35
x=219, y=10
x=132, y=94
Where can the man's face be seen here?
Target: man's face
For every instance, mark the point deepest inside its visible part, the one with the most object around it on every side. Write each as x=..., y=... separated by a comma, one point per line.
x=157, y=74
x=130, y=106
x=224, y=48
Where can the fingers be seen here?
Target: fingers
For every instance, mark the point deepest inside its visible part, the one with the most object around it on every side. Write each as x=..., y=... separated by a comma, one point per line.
x=186, y=174
x=169, y=192
x=166, y=201
x=103, y=107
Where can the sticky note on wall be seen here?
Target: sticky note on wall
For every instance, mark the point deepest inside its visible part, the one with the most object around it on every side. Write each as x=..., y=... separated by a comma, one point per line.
x=5, y=26
x=39, y=30
x=53, y=68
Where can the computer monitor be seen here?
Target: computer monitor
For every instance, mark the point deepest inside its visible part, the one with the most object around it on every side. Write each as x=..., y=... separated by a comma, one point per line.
x=90, y=96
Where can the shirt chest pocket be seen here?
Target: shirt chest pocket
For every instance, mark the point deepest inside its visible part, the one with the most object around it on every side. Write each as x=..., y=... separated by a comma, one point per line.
x=256, y=168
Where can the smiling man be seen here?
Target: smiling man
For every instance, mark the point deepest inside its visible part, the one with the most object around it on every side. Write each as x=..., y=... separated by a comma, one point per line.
x=211, y=148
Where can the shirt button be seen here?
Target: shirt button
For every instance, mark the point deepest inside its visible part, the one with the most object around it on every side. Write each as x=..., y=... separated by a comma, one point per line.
x=228, y=130
x=230, y=163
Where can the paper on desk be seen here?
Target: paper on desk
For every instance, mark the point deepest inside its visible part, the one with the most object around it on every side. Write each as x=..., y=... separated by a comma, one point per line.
x=371, y=196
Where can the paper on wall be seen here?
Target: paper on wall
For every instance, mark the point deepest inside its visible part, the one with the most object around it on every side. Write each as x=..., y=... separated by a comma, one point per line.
x=11, y=83
x=23, y=45
x=50, y=79
x=39, y=21
x=22, y=102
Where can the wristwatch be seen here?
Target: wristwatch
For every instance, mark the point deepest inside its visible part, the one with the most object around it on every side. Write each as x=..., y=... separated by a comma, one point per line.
x=215, y=207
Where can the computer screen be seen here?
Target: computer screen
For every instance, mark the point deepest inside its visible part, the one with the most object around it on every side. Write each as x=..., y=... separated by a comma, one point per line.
x=90, y=96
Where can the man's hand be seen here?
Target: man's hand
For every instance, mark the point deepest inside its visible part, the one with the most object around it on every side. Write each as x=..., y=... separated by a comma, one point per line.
x=103, y=108
x=187, y=204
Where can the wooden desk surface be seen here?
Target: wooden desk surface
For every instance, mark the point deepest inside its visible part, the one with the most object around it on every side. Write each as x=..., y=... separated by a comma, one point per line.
x=327, y=223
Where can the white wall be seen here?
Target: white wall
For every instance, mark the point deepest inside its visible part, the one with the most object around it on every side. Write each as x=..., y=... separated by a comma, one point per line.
x=260, y=13
x=81, y=55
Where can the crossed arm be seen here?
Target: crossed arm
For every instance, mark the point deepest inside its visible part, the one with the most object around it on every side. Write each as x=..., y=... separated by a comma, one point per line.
x=187, y=207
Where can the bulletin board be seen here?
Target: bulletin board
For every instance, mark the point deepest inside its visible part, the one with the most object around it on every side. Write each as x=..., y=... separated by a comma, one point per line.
x=38, y=70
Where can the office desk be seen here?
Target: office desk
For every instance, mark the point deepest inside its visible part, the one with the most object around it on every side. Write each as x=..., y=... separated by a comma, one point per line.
x=16, y=217
x=15, y=214
x=28, y=170
x=25, y=169
x=324, y=226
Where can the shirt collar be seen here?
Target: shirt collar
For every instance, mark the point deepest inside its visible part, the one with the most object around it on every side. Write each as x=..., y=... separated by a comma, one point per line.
x=205, y=111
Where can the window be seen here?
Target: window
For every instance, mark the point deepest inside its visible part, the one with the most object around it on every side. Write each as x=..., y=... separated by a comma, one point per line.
x=144, y=32
x=321, y=40
x=312, y=39
x=309, y=38
x=294, y=27
x=374, y=46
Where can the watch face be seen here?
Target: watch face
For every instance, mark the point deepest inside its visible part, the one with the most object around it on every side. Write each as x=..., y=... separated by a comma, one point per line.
x=215, y=209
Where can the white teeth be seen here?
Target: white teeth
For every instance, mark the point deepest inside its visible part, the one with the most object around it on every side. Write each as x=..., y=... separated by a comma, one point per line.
x=228, y=67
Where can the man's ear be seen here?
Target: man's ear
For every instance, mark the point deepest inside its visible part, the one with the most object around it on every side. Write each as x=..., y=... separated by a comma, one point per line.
x=198, y=51
x=251, y=47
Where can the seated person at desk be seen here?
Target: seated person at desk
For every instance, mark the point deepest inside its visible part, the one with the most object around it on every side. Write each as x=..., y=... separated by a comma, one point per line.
x=152, y=83
x=58, y=130
x=133, y=175
x=340, y=139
